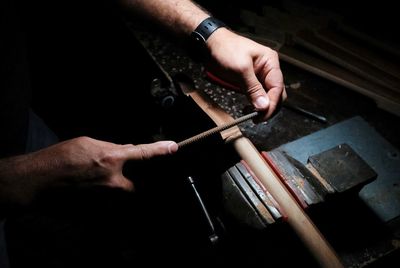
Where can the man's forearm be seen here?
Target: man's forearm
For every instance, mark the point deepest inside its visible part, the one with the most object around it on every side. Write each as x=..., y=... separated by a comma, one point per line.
x=239, y=60
x=16, y=179
x=180, y=16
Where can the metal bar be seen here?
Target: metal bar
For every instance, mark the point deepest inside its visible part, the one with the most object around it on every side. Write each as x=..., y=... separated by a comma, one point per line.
x=217, y=129
x=213, y=237
x=298, y=109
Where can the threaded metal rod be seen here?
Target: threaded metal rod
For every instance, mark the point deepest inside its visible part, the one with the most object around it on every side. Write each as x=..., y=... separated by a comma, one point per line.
x=218, y=129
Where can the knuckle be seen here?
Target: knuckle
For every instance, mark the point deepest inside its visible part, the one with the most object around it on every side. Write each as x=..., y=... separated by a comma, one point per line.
x=119, y=181
x=83, y=139
x=270, y=53
x=254, y=89
x=108, y=159
x=242, y=67
x=143, y=152
x=274, y=54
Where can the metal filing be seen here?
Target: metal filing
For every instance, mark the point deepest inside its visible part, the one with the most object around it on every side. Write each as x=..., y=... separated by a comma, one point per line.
x=218, y=129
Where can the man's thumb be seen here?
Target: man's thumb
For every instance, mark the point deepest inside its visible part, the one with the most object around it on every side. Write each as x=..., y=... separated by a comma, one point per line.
x=256, y=92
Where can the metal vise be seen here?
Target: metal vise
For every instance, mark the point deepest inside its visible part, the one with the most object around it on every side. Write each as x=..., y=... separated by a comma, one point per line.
x=329, y=173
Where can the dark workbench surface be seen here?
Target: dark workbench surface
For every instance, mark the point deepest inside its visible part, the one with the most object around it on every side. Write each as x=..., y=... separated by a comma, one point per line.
x=90, y=78
x=305, y=90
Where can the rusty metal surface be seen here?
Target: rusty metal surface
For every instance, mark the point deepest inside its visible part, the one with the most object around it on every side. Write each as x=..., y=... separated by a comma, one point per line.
x=238, y=206
x=297, y=180
x=262, y=193
x=251, y=196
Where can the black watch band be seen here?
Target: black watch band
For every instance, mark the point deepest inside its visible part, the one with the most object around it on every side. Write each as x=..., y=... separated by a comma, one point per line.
x=206, y=28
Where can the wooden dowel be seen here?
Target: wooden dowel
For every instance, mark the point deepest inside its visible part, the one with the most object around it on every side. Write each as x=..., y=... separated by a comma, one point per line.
x=296, y=217
x=298, y=220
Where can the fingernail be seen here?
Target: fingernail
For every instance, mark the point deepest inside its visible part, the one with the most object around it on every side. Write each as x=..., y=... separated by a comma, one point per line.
x=172, y=147
x=261, y=102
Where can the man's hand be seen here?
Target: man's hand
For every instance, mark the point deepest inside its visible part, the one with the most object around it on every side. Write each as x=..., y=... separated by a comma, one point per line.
x=80, y=161
x=255, y=68
x=236, y=59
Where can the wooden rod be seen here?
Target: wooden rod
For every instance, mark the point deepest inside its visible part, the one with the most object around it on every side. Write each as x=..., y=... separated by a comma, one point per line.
x=296, y=217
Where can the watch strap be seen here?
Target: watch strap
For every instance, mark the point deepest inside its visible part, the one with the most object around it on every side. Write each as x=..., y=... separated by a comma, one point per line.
x=204, y=30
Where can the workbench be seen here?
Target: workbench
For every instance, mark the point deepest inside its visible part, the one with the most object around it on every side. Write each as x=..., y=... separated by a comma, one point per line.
x=311, y=93
x=104, y=75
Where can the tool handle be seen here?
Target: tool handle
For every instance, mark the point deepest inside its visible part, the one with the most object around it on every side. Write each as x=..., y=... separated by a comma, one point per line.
x=296, y=217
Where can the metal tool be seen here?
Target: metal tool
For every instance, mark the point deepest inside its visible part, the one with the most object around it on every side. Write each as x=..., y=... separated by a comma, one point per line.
x=213, y=237
x=300, y=110
x=218, y=129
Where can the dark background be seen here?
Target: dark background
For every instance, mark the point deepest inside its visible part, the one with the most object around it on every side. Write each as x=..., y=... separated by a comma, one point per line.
x=90, y=76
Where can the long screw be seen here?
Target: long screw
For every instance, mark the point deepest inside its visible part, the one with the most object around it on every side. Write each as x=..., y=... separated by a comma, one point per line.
x=218, y=129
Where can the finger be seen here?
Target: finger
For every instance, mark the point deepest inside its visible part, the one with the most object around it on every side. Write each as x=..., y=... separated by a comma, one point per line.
x=147, y=151
x=276, y=92
x=255, y=91
x=284, y=95
x=276, y=97
x=120, y=181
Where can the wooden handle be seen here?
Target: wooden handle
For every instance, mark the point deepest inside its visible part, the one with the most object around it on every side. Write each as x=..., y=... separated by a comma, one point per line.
x=300, y=222
x=297, y=219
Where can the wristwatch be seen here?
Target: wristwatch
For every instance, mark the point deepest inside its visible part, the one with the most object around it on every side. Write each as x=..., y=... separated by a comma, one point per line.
x=205, y=29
